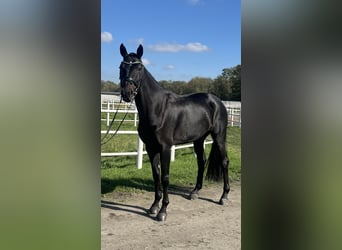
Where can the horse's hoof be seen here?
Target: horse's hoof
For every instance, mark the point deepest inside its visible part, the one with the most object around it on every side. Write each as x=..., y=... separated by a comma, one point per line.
x=223, y=201
x=153, y=210
x=161, y=216
x=193, y=196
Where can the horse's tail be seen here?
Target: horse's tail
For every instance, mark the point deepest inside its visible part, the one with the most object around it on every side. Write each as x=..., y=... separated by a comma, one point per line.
x=218, y=159
x=214, y=164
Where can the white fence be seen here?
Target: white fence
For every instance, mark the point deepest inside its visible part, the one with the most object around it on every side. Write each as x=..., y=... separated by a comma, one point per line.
x=234, y=119
x=233, y=111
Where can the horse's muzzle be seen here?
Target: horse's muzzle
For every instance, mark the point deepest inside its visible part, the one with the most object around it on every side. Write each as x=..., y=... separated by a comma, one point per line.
x=129, y=92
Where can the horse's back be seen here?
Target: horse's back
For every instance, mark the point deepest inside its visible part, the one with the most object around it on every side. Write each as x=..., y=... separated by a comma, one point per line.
x=190, y=117
x=208, y=101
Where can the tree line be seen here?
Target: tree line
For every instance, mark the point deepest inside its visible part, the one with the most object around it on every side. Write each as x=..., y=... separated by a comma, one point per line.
x=227, y=86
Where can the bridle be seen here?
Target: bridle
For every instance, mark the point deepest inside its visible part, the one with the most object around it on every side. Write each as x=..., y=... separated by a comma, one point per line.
x=130, y=62
x=130, y=79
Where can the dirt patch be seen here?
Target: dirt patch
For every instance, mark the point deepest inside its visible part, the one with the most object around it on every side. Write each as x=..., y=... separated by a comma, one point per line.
x=197, y=224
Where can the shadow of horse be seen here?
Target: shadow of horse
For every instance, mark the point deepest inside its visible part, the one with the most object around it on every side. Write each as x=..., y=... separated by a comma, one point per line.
x=185, y=193
x=125, y=208
x=108, y=185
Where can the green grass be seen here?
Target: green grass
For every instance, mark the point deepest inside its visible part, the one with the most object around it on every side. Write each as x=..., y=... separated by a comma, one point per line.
x=121, y=174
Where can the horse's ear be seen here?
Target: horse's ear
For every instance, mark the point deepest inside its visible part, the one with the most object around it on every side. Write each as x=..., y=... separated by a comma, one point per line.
x=140, y=51
x=123, y=50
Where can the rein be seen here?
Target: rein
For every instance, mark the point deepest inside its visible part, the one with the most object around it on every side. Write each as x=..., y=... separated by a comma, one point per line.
x=103, y=141
x=112, y=122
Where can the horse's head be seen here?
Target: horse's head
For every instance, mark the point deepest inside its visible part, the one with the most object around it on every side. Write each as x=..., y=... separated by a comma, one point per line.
x=131, y=69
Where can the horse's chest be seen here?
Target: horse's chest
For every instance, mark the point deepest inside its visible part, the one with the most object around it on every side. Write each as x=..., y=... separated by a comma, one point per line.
x=146, y=133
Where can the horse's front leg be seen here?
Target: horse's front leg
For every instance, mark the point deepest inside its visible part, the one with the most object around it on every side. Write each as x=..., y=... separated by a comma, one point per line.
x=165, y=167
x=154, y=159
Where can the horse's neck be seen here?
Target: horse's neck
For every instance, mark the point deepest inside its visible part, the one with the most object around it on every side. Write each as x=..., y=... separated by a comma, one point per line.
x=150, y=94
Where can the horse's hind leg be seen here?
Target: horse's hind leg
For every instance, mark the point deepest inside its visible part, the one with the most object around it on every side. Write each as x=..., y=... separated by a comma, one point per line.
x=225, y=165
x=199, y=150
x=226, y=186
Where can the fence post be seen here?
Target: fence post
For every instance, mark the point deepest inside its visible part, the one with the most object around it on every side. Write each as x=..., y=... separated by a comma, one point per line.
x=135, y=117
x=108, y=104
x=232, y=116
x=173, y=151
x=140, y=153
x=240, y=119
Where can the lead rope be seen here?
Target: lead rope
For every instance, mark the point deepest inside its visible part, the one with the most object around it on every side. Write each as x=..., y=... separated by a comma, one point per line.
x=112, y=122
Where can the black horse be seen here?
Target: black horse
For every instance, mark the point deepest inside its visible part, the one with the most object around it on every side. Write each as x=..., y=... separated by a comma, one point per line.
x=167, y=119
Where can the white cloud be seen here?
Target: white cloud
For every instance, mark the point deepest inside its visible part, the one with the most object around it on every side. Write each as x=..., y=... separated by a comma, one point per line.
x=168, y=47
x=106, y=37
x=196, y=47
x=169, y=67
x=165, y=47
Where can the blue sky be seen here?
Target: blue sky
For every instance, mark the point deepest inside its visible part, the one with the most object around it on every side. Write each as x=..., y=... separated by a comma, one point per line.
x=182, y=39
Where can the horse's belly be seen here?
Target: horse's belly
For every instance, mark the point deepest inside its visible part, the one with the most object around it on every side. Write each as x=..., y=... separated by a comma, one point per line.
x=189, y=132
x=182, y=140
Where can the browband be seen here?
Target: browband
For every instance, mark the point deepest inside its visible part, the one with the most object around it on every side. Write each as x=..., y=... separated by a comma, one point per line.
x=130, y=63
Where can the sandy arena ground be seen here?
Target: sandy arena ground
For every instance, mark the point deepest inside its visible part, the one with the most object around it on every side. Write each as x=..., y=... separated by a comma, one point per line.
x=197, y=224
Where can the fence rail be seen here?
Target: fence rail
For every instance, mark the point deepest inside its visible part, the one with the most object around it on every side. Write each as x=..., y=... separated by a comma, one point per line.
x=234, y=119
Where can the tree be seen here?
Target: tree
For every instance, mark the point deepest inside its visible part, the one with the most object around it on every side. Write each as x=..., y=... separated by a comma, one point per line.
x=220, y=87
x=234, y=76
x=227, y=86
x=109, y=86
x=199, y=84
x=178, y=87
